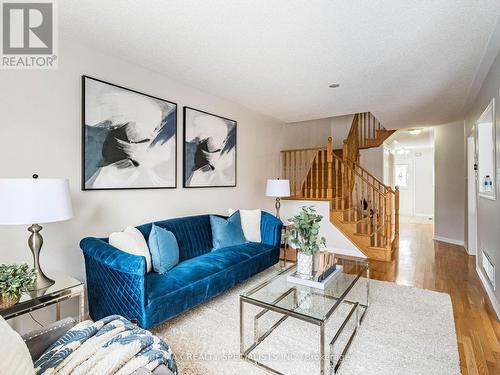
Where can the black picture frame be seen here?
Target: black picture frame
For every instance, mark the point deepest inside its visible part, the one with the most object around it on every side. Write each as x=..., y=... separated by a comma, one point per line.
x=184, y=121
x=83, y=135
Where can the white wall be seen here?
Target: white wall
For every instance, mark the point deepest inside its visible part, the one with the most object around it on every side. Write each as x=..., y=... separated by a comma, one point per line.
x=372, y=159
x=335, y=239
x=488, y=211
x=340, y=126
x=450, y=182
x=40, y=131
x=315, y=133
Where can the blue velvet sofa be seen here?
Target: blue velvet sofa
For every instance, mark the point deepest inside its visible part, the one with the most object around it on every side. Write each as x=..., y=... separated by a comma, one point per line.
x=117, y=282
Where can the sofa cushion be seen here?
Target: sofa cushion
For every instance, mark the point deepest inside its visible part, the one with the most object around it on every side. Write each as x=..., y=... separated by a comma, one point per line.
x=193, y=270
x=131, y=241
x=163, y=248
x=226, y=232
x=250, y=223
x=193, y=234
x=168, y=297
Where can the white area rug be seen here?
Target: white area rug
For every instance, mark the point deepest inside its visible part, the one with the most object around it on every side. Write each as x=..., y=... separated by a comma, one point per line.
x=405, y=331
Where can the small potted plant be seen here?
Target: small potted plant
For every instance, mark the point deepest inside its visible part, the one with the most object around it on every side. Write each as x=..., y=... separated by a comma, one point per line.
x=303, y=235
x=14, y=279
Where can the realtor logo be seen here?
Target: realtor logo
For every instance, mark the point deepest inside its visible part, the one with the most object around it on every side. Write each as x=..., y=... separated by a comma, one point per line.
x=28, y=35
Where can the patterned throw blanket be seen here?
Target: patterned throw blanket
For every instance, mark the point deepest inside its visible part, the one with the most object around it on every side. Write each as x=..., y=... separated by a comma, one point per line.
x=111, y=345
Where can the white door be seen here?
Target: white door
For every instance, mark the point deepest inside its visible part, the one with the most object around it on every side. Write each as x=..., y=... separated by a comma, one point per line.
x=403, y=177
x=471, y=197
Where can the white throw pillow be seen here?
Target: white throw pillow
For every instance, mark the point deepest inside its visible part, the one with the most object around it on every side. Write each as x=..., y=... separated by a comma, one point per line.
x=133, y=242
x=250, y=223
x=16, y=358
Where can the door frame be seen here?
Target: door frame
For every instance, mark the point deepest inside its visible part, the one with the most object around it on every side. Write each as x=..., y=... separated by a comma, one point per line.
x=472, y=195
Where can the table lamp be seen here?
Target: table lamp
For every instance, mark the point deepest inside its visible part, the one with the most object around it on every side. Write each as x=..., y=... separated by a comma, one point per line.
x=278, y=188
x=33, y=201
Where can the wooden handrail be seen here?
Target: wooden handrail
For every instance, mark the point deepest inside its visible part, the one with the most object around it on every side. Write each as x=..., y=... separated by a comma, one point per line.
x=372, y=176
x=304, y=149
x=360, y=175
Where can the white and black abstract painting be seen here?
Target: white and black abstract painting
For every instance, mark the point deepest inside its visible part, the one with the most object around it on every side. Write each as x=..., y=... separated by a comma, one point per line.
x=129, y=138
x=209, y=150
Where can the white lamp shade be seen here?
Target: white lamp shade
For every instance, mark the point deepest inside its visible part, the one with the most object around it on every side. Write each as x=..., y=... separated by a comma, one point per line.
x=34, y=201
x=278, y=188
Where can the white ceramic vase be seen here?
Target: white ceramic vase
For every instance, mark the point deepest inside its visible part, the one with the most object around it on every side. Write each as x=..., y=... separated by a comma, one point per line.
x=304, y=264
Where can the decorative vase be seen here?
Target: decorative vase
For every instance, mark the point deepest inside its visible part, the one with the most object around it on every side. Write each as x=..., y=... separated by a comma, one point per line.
x=304, y=265
x=8, y=300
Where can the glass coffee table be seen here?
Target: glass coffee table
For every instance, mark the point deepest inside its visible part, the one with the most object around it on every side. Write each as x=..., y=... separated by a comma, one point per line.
x=314, y=306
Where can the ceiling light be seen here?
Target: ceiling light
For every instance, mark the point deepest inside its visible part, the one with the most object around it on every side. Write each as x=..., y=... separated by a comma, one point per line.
x=415, y=131
x=334, y=85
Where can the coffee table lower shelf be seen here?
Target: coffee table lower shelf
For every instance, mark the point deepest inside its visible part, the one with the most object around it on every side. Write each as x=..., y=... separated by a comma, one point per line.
x=356, y=311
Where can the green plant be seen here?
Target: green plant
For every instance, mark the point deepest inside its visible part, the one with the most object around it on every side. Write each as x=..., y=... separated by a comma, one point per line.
x=304, y=231
x=16, y=278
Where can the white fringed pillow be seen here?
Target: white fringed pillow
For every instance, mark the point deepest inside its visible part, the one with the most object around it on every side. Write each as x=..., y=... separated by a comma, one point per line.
x=133, y=242
x=16, y=358
x=250, y=223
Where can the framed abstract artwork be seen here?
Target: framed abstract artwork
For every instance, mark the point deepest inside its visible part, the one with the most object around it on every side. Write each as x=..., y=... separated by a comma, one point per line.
x=129, y=138
x=209, y=150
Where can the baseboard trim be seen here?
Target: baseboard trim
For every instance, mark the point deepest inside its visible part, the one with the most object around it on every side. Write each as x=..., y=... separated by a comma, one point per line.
x=425, y=215
x=449, y=240
x=489, y=292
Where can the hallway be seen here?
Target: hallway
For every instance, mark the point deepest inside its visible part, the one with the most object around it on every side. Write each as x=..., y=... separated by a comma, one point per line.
x=425, y=263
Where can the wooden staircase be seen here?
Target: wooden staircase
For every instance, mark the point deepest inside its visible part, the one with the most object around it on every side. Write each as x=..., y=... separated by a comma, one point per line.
x=370, y=131
x=361, y=207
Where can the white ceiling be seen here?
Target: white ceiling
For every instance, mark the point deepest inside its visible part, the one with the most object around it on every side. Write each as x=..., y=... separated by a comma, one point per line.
x=407, y=61
x=404, y=139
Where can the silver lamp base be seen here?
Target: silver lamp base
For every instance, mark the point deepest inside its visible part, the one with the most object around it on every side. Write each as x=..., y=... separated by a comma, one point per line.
x=277, y=205
x=35, y=243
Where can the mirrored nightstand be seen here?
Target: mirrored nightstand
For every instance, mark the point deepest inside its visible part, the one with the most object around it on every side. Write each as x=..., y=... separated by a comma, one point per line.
x=64, y=288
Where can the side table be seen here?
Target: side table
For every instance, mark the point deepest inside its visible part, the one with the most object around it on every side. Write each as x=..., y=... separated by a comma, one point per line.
x=65, y=287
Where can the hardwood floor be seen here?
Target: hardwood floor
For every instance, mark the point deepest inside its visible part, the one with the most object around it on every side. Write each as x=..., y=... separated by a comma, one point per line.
x=428, y=264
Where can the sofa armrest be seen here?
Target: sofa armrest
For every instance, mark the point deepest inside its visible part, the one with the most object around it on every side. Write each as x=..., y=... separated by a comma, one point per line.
x=112, y=257
x=40, y=340
x=270, y=228
x=116, y=281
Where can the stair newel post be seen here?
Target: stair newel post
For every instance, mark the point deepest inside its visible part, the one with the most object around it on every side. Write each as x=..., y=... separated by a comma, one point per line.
x=388, y=210
x=337, y=189
x=356, y=198
x=370, y=208
x=380, y=212
x=315, y=190
x=329, y=161
x=396, y=216
x=322, y=177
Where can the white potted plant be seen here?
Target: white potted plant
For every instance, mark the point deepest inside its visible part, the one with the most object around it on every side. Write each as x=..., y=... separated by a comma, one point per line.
x=303, y=235
x=14, y=279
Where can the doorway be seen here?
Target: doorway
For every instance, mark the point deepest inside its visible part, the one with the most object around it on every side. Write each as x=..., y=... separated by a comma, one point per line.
x=413, y=172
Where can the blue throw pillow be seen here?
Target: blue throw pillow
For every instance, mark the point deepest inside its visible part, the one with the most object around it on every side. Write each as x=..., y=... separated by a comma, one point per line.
x=163, y=248
x=226, y=232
